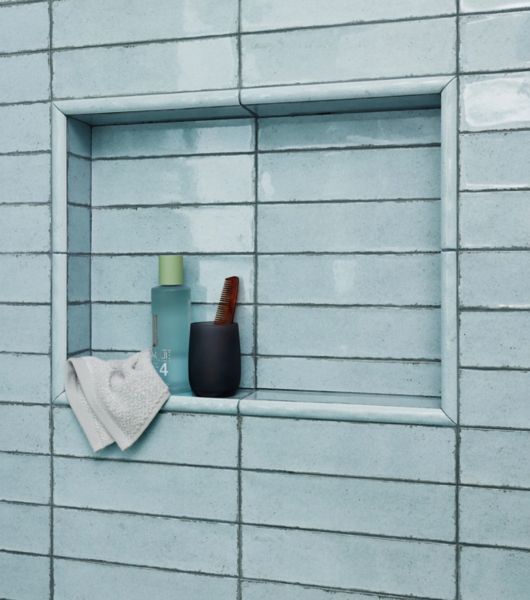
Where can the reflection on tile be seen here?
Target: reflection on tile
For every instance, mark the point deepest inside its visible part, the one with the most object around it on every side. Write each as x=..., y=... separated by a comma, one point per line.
x=28, y=76
x=15, y=582
x=25, y=528
x=32, y=370
x=24, y=27
x=25, y=178
x=354, y=227
x=26, y=278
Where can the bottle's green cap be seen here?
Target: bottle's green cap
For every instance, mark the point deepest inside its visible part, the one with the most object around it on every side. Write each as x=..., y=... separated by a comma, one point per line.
x=171, y=269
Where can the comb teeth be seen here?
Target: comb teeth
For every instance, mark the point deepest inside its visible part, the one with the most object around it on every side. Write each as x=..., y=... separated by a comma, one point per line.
x=227, y=304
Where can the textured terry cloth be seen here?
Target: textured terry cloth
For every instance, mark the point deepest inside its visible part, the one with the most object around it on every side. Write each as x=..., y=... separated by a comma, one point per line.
x=114, y=400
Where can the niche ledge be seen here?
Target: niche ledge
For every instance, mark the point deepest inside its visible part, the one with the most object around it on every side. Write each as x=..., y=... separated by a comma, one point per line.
x=409, y=93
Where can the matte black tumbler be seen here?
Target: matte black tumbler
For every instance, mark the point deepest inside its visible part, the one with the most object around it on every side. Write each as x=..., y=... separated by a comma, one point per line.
x=214, y=359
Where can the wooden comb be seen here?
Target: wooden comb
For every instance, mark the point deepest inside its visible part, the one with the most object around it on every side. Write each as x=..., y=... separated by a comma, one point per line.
x=227, y=304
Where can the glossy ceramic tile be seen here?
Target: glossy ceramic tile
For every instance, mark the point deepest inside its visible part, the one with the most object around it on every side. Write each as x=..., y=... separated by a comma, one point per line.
x=86, y=581
x=349, y=175
x=122, y=70
x=33, y=370
x=78, y=328
x=130, y=278
x=494, y=220
x=494, y=457
x=261, y=590
x=25, y=478
x=274, y=14
x=326, y=559
x=79, y=138
x=24, y=328
x=24, y=428
x=78, y=24
x=25, y=127
x=173, y=230
x=400, y=452
x=489, y=574
x=495, y=101
x=143, y=540
x=350, y=279
x=185, y=180
x=493, y=5
x=24, y=27
x=172, y=438
x=15, y=582
x=496, y=517
x=24, y=228
x=495, y=42
x=494, y=398
x=418, y=48
x=79, y=180
x=362, y=506
x=393, y=128
x=25, y=528
x=355, y=227
x=79, y=223
x=79, y=269
x=157, y=489
x=161, y=139
x=26, y=278
x=346, y=375
x=495, y=279
x=495, y=160
x=490, y=339
x=347, y=332
x=16, y=186
x=28, y=76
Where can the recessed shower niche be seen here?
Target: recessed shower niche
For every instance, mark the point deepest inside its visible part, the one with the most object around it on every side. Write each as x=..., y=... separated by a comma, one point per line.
x=335, y=212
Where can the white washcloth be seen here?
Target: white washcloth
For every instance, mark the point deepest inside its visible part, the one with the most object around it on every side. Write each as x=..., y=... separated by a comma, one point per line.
x=114, y=400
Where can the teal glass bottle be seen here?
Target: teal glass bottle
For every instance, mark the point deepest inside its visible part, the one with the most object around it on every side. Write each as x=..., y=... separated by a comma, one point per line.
x=171, y=312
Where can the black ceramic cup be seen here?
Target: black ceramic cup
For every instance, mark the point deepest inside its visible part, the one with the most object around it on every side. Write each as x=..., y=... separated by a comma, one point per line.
x=214, y=359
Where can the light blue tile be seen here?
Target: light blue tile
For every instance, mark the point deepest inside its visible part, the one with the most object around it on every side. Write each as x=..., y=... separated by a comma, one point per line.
x=79, y=138
x=130, y=278
x=183, y=180
x=495, y=279
x=25, y=178
x=79, y=180
x=173, y=230
x=24, y=27
x=393, y=566
x=79, y=233
x=494, y=5
x=350, y=175
x=494, y=398
x=25, y=328
x=24, y=228
x=495, y=160
x=495, y=339
x=350, y=279
x=25, y=528
x=350, y=129
x=150, y=541
x=396, y=451
x=418, y=48
x=25, y=378
x=28, y=76
x=348, y=505
x=495, y=457
x=24, y=428
x=25, y=278
x=494, y=42
x=495, y=517
x=194, y=492
x=275, y=14
x=78, y=328
x=159, y=139
x=15, y=582
x=490, y=574
x=363, y=376
x=25, y=478
x=86, y=581
x=495, y=101
x=172, y=438
x=494, y=220
x=260, y=590
x=79, y=24
x=349, y=332
x=353, y=227
x=195, y=65
x=25, y=127
x=79, y=268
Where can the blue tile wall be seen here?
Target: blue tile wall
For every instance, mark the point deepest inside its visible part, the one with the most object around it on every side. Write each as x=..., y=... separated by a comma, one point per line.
x=318, y=510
